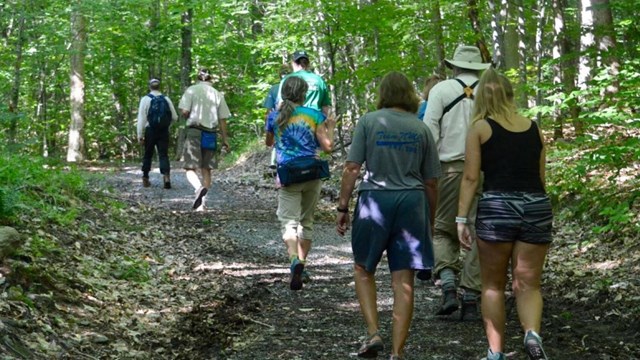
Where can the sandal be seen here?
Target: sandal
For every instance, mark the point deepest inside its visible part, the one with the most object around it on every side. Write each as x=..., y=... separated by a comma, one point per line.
x=371, y=347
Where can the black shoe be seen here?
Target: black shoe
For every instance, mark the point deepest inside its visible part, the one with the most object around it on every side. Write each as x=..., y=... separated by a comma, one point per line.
x=199, y=195
x=449, y=303
x=469, y=311
x=424, y=275
x=167, y=182
x=146, y=182
x=296, y=268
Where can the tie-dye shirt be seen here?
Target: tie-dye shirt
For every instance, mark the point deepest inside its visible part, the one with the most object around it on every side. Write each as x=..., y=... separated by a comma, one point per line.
x=298, y=138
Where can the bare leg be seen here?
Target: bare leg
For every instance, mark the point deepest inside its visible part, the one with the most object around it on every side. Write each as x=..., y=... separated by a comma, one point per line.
x=193, y=179
x=206, y=178
x=494, y=263
x=527, y=262
x=304, y=246
x=367, y=297
x=402, y=283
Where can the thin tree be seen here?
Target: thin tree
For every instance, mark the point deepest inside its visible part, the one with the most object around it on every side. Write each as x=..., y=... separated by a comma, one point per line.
x=76, y=149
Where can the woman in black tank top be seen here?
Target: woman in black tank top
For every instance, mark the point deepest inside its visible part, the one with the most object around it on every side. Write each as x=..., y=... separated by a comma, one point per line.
x=514, y=215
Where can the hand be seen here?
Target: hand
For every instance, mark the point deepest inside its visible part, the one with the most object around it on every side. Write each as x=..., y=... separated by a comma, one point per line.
x=225, y=146
x=331, y=120
x=464, y=236
x=141, y=141
x=343, y=222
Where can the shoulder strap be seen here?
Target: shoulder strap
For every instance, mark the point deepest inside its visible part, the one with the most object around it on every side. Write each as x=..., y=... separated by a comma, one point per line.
x=151, y=96
x=467, y=93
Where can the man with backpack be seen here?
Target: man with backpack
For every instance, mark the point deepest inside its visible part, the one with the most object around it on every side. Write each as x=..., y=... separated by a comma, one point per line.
x=448, y=117
x=155, y=115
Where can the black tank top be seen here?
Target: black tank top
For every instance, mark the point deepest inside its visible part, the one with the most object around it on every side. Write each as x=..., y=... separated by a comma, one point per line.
x=511, y=160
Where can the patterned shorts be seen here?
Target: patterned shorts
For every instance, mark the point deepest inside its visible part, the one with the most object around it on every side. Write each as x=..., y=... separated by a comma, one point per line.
x=514, y=216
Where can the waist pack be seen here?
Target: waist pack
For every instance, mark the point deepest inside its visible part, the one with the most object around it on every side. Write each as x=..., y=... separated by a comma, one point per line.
x=302, y=170
x=208, y=140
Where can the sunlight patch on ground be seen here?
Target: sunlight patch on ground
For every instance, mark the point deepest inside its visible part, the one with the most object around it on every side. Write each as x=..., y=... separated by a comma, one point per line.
x=606, y=265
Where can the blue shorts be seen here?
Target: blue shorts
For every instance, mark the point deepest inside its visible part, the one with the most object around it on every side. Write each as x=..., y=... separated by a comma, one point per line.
x=514, y=216
x=395, y=222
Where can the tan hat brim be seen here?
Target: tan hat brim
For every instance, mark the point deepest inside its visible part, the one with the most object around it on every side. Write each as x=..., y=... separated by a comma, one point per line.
x=468, y=65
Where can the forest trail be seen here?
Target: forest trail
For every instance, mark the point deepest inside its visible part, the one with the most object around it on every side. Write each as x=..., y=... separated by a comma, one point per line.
x=152, y=279
x=220, y=289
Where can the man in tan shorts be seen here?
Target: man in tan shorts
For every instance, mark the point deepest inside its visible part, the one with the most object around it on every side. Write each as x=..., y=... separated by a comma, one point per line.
x=206, y=110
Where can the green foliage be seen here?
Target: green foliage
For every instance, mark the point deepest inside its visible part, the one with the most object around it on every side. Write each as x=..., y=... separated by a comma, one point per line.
x=130, y=269
x=29, y=187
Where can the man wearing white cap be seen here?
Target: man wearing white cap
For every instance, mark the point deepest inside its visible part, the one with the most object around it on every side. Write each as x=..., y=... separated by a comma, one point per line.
x=155, y=114
x=448, y=116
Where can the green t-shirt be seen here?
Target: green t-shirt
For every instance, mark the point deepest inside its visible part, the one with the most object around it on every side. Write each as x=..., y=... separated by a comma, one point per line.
x=318, y=92
x=398, y=152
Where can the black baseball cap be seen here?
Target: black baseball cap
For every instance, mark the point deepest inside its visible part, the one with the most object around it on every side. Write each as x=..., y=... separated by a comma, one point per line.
x=299, y=55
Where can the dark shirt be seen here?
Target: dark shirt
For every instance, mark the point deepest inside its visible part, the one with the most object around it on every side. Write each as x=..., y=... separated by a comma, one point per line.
x=511, y=160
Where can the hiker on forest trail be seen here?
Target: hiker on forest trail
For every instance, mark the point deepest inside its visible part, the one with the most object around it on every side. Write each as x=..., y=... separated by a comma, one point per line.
x=514, y=220
x=206, y=112
x=270, y=103
x=318, y=93
x=429, y=83
x=155, y=115
x=448, y=116
x=297, y=133
x=401, y=171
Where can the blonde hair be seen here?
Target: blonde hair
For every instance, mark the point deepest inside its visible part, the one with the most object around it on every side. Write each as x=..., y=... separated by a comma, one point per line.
x=294, y=90
x=429, y=83
x=494, y=98
x=397, y=91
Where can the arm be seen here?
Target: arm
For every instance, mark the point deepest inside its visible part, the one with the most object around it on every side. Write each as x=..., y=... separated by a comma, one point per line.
x=349, y=177
x=142, y=119
x=543, y=160
x=174, y=114
x=431, y=189
x=223, y=131
x=269, y=139
x=185, y=113
x=324, y=133
x=469, y=183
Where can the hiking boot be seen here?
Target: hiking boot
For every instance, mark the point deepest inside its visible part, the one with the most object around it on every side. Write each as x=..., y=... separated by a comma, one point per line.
x=199, y=195
x=146, y=182
x=533, y=346
x=469, y=311
x=424, y=275
x=297, y=267
x=167, y=182
x=449, y=302
x=494, y=356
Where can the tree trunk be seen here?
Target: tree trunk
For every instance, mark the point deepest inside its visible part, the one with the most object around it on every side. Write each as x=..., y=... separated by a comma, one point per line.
x=186, y=65
x=477, y=29
x=76, y=150
x=540, y=26
x=15, y=88
x=511, y=59
x=558, y=29
x=606, y=39
x=522, y=55
x=438, y=37
x=497, y=32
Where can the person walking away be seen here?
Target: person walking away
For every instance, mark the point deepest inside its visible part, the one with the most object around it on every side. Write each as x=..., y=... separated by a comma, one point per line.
x=429, y=83
x=318, y=93
x=317, y=98
x=155, y=115
x=298, y=132
x=514, y=218
x=206, y=114
x=401, y=171
x=270, y=104
x=448, y=116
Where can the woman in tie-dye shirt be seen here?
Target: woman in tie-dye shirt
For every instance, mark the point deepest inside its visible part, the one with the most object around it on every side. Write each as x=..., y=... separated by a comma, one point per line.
x=298, y=131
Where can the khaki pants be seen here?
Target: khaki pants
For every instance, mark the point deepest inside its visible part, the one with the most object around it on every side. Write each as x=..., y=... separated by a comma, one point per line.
x=296, y=209
x=446, y=245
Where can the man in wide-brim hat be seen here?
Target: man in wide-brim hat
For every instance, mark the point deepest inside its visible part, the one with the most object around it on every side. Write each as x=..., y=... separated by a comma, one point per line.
x=448, y=116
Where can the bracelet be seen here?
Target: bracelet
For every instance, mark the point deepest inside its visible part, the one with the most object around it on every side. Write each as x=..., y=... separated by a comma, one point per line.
x=342, y=210
x=461, y=220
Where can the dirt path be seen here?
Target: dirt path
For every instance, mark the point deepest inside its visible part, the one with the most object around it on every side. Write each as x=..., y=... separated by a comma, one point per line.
x=214, y=285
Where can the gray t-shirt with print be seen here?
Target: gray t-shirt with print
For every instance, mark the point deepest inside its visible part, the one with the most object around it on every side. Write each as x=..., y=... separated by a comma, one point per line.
x=398, y=151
